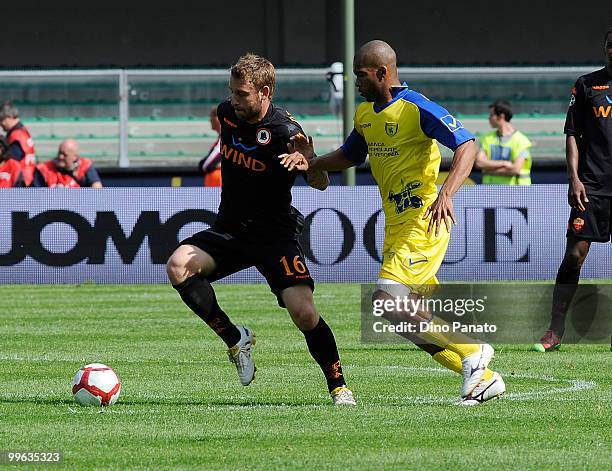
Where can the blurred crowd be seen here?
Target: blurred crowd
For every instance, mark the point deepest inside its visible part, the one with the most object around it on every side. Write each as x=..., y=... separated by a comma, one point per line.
x=19, y=167
x=504, y=157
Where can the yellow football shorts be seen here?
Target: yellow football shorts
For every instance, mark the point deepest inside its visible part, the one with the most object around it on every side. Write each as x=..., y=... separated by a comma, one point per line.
x=412, y=256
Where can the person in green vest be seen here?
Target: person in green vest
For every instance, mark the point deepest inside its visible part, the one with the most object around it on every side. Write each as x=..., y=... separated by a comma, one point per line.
x=504, y=156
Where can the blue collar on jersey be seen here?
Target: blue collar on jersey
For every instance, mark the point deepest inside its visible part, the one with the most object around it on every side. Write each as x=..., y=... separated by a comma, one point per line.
x=396, y=93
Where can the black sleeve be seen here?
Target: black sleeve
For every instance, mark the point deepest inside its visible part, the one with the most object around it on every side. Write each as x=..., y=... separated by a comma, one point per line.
x=574, y=121
x=19, y=183
x=91, y=176
x=14, y=151
x=39, y=180
x=219, y=110
x=222, y=111
x=293, y=127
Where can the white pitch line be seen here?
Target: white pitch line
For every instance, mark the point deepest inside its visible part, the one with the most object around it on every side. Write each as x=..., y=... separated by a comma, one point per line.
x=573, y=386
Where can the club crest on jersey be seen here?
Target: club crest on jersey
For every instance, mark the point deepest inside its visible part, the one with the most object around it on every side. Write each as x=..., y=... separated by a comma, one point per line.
x=263, y=136
x=391, y=129
x=578, y=224
x=452, y=123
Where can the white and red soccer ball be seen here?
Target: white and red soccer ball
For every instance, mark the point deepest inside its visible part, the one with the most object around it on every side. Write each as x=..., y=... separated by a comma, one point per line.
x=96, y=385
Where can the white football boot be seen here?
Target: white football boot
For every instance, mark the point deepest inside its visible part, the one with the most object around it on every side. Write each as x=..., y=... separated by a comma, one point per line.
x=485, y=391
x=474, y=366
x=343, y=396
x=240, y=355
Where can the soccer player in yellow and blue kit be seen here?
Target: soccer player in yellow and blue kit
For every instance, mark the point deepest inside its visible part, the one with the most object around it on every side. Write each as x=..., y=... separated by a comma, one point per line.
x=398, y=129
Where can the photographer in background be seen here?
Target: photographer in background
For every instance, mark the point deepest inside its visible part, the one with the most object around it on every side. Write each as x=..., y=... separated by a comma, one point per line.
x=17, y=144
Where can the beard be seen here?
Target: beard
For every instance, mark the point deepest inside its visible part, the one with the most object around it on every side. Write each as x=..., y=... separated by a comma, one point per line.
x=248, y=114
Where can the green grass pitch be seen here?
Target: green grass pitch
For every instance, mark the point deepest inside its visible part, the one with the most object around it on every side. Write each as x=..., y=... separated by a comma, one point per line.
x=182, y=405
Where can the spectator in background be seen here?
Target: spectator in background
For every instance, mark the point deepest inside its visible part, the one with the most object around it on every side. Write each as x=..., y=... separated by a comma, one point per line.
x=67, y=170
x=10, y=174
x=211, y=164
x=335, y=77
x=17, y=144
x=504, y=157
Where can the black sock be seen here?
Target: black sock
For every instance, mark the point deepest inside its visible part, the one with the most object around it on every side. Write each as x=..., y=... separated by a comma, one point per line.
x=322, y=346
x=199, y=295
x=565, y=288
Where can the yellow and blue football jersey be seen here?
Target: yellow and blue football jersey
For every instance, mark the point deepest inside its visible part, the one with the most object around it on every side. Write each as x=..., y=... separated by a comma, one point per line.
x=400, y=139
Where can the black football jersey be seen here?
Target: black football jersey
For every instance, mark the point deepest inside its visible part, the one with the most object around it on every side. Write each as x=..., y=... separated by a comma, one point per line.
x=256, y=189
x=589, y=119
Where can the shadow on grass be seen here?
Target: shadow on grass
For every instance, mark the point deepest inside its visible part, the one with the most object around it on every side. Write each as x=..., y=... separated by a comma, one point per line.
x=391, y=347
x=247, y=403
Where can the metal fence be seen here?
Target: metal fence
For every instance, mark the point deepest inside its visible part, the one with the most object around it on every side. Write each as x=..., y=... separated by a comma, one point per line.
x=160, y=117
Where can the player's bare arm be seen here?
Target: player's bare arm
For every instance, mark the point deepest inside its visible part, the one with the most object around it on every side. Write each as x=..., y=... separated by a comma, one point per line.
x=442, y=208
x=316, y=178
x=576, y=195
x=304, y=157
x=300, y=152
x=332, y=161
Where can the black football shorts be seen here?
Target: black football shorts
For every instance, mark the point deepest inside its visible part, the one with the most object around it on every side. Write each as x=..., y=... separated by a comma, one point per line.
x=281, y=262
x=593, y=224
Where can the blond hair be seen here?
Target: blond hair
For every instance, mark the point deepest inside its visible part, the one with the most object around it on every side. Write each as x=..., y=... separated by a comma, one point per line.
x=255, y=69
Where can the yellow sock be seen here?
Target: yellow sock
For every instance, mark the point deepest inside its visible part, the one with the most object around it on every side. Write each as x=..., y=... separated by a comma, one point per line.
x=463, y=349
x=459, y=343
x=437, y=338
x=452, y=361
x=449, y=359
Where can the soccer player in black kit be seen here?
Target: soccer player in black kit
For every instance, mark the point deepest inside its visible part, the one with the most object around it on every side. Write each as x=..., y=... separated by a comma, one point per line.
x=588, y=149
x=256, y=226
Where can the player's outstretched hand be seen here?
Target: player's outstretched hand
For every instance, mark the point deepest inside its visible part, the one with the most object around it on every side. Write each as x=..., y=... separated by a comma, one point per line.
x=576, y=195
x=294, y=161
x=440, y=210
x=302, y=144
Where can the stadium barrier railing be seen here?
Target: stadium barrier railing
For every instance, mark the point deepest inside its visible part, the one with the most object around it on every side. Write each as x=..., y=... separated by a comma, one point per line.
x=125, y=117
